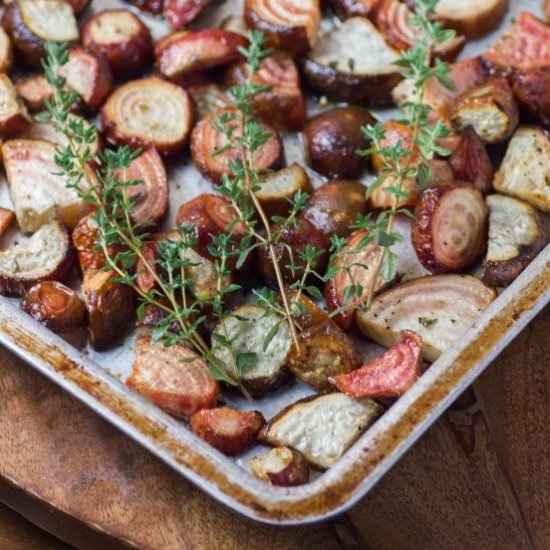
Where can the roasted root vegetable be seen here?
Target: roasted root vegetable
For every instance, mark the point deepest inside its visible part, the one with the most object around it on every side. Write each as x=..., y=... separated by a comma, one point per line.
x=6, y=52
x=32, y=24
x=55, y=305
x=111, y=307
x=180, y=13
x=338, y=68
x=531, y=90
x=13, y=114
x=516, y=236
x=209, y=215
x=283, y=105
x=121, y=38
x=332, y=139
x=175, y=379
x=290, y=250
x=34, y=90
x=351, y=286
x=525, y=46
x=439, y=309
x=229, y=430
x=7, y=217
x=148, y=112
x=334, y=206
x=490, y=109
x=281, y=466
x=289, y=25
x=321, y=427
x=261, y=341
x=206, y=139
x=207, y=98
x=472, y=18
x=277, y=189
x=37, y=191
x=324, y=351
x=388, y=375
x=45, y=256
x=186, y=52
x=345, y=9
x=470, y=162
x=393, y=18
x=450, y=229
x=150, y=196
x=525, y=168
x=85, y=237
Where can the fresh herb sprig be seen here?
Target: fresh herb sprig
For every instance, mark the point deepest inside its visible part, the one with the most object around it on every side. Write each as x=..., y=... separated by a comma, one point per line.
x=402, y=163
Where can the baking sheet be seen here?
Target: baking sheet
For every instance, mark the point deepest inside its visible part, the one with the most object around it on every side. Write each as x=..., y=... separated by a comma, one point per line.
x=185, y=182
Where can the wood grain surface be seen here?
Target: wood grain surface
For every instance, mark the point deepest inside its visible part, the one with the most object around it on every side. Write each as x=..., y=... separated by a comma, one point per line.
x=481, y=481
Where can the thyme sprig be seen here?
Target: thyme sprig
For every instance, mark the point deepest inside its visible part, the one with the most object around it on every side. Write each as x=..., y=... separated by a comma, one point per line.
x=399, y=162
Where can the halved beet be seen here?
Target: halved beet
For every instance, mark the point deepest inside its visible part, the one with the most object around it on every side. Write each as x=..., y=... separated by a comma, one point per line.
x=206, y=140
x=283, y=105
x=148, y=112
x=34, y=90
x=55, y=305
x=181, y=12
x=525, y=46
x=450, y=228
x=338, y=67
x=356, y=267
x=393, y=18
x=13, y=114
x=290, y=25
x=46, y=256
x=38, y=192
x=439, y=309
x=121, y=38
x=210, y=215
x=32, y=24
x=470, y=161
x=150, y=197
x=531, y=90
x=186, y=52
x=174, y=378
x=229, y=430
x=388, y=375
x=281, y=466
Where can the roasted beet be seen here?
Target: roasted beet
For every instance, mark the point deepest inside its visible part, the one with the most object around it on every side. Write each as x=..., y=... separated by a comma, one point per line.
x=181, y=12
x=148, y=112
x=186, y=52
x=470, y=161
x=289, y=25
x=229, y=430
x=31, y=24
x=7, y=217
x=111, y=307
x=358, y=258
x=34, y=90
x=334, y=206
x=85, y=239
x=525, y=46
x=450, y=229
x=296, y=238
x=54, y=305
x=205, y=140
x=174, y=378
x=332, y=139
x=281, y=466
x=13, y=114
x=388, y=375
x=490, y=109
x=283, y=105
x=207, y=98
x=120, y=37
x=532, y=90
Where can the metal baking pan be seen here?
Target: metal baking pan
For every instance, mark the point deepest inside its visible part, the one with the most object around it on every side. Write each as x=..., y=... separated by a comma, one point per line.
x=97, y=378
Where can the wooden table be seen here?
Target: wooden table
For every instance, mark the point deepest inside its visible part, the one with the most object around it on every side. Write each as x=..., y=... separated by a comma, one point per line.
x=480, y=477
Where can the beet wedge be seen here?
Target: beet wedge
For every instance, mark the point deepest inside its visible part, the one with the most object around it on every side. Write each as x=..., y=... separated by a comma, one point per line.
x=186, y=52
x=439, y=309
x=175, y=379
x=13, y=114
x=229, y=430
x=389, y=375
x=180, y=13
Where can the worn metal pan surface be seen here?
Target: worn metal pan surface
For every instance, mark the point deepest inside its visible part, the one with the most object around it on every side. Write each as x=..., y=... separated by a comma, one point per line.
x=97, y=378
